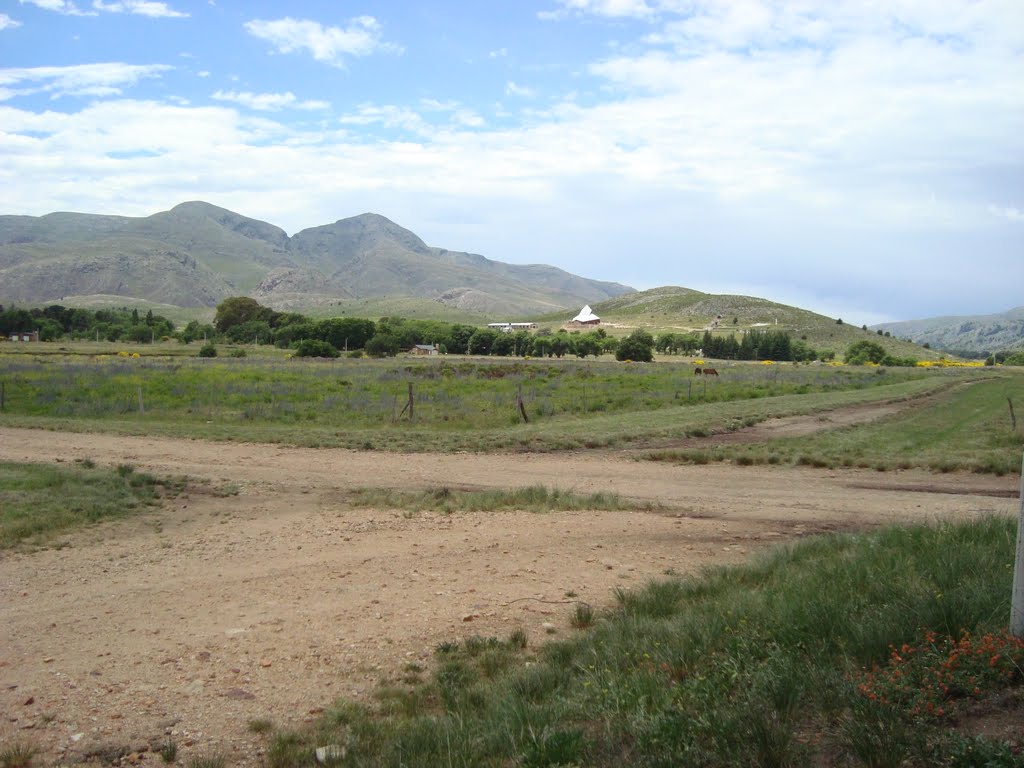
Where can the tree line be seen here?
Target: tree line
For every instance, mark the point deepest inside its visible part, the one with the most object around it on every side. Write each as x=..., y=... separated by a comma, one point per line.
x=57, y=322
x=760, y=345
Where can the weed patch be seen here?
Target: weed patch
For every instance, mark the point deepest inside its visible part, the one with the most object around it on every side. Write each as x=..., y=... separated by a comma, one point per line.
x=536, y=498
x=39, y=501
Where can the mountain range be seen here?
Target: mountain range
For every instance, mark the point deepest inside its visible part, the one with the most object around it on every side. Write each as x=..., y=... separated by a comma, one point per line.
x=972, y=335
x=197, y=254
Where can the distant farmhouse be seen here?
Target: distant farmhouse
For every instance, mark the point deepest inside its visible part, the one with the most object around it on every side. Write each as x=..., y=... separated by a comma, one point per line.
x=25, y=336
x=510, y=327
x=586, y=317
x=425, y=349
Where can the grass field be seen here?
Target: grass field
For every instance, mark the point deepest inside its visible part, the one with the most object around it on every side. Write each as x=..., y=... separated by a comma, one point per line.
x=874, y=650
x=459, y=404
x=963, y=428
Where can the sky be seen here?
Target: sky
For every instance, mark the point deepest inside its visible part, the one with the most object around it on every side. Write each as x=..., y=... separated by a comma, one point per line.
x=863, y=159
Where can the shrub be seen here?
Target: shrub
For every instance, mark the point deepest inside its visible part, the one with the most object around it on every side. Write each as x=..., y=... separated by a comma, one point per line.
x=208, y=350
x=315, y=348
x=638, y=346
x=865, y=352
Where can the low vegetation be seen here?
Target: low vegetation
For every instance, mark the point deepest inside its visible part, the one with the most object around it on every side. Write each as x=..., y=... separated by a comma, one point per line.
x=534, y=498
x=41, y=501
x=966, y=428
x=458, y=404
x=880, y=649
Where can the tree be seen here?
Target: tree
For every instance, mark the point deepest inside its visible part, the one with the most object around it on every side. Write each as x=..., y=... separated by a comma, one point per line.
x=237, y=310
x=382, y=345
x=589, y=344
x=481, y=342
x=196, y=330
x=342, y=331
x=638, y=346
x=863, y=352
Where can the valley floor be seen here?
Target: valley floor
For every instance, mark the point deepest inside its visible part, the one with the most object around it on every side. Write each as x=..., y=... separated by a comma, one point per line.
x=260, y=594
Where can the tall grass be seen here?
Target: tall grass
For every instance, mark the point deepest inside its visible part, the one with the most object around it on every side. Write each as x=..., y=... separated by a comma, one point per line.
x=754, y=665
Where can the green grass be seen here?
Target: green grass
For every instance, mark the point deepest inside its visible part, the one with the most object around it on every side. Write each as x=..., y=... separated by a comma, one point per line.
x=534, y=498
x=966, y=428
x=41, y=501
x=824, y=653
x=459, y=404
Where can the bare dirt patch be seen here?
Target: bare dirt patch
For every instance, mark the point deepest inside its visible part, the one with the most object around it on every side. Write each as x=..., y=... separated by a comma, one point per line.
x=792, y=426
x=193, y=620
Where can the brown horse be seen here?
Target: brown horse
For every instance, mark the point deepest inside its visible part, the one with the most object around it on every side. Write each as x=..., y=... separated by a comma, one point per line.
x=697, y=372
x=710, y=372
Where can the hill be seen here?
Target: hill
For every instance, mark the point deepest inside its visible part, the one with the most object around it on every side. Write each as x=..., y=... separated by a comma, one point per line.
x=976, y=335
x=197, y=254
x=672, y=309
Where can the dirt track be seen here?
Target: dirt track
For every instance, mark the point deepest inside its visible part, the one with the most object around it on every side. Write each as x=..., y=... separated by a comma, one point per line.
x=195, y=619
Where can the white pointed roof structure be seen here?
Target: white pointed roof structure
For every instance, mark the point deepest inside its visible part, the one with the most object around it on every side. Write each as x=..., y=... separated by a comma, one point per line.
x=586, y=315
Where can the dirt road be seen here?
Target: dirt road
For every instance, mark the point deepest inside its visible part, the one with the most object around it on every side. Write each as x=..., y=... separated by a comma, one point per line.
x=194, y=620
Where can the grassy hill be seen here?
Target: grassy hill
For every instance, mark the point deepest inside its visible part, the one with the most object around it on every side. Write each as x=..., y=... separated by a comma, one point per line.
x=672, y=309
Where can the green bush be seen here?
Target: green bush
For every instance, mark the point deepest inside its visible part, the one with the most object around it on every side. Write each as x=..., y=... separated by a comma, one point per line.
x=208, y=350
x=638, y=347
x=865, y=352
x=315, y=348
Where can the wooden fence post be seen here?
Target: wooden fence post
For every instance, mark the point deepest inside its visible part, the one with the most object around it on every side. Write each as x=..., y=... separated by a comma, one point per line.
x=3, y=394
x=142, y=408
x=408, y=405
x=1017, y=603
x=1013, y=418
x=519, y=402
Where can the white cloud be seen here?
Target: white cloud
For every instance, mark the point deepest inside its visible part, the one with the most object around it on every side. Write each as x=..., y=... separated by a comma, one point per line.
x=512, y=89
x=104, y=79
x=800, y=149
x=388, y=117
x=140, y=8
x=1006, y=212
x=6, y=22
x=268, y=101
x=66, y=7
x=610, y=8
x=361, y=37
x=498, y=54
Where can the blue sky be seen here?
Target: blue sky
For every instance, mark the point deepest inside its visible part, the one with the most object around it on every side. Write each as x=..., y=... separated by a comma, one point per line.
x=861, y=159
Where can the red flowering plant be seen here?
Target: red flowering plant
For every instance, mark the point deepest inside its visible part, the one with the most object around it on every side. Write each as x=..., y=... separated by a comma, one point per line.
x=930, y=678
